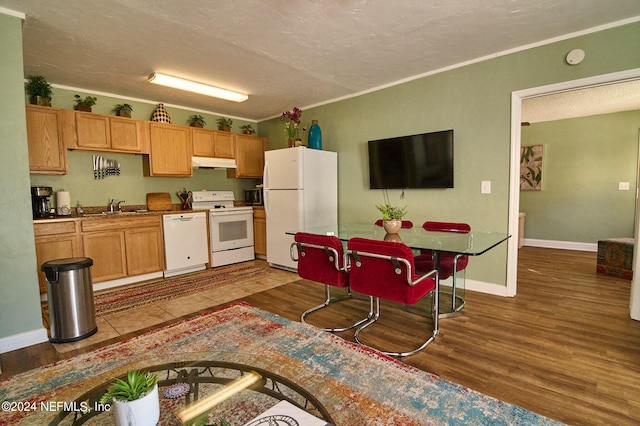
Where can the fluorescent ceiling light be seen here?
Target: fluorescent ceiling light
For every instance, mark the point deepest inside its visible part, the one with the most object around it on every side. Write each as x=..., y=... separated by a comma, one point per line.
x=192, y=86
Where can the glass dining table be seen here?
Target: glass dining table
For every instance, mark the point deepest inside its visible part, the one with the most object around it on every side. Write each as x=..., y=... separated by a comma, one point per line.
x=473, y=243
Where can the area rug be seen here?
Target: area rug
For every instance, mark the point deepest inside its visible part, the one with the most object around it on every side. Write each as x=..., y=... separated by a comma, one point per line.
x=357, y=385
x=148, y=292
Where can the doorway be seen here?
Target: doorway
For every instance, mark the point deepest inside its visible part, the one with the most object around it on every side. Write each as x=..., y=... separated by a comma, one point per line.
x=514, y=184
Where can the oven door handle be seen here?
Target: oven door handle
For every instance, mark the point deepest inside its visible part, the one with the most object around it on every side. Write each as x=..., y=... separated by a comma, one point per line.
x=236, y=213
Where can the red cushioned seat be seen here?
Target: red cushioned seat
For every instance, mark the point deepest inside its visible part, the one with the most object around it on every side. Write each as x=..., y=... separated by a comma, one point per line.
x=385, y=270
x=321, y=259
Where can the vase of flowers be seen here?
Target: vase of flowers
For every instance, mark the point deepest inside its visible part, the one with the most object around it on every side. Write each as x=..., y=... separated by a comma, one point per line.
x=291, y=125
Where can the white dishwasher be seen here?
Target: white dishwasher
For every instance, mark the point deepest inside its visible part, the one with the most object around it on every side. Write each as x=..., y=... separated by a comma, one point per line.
x=185, y=243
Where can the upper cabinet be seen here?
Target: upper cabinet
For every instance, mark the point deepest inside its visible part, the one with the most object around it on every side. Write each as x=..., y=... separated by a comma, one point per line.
x=97, y=132
x=212, y=143
x=45, y=140
x=249, y=156
x=170, y=150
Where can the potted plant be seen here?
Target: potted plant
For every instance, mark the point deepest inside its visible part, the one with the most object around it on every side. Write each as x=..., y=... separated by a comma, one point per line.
x=39, y=91
x=197, y=121
x=86, y=103
x=247, y=129
x=123, y=110
x=224, y=124
x=135, y=399
x=391, y=217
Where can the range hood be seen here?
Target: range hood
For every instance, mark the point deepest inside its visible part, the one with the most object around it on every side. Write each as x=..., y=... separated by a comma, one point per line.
x=213, y=163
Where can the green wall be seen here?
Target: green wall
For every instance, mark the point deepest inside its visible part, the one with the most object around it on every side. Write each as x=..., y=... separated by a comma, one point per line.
x=584, y=159
x=475, y=101
x=19, y=294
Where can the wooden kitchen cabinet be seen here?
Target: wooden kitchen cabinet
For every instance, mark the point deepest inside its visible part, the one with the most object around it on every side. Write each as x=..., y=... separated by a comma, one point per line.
x=55, y=240
x=126, y=134
x=92, y=131
x=212, y=143
x=108, y=251
x=47, y=154
x=123, y=247
x=260, y=231
x=170, y=151
x=144, y=250
x=95, y=132
x=249, y=156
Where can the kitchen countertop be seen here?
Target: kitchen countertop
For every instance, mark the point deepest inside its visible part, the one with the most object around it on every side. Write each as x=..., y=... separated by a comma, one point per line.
x=123, y=214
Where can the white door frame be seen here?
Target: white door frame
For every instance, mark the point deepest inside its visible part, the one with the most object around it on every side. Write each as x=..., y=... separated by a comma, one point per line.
x=514, y=173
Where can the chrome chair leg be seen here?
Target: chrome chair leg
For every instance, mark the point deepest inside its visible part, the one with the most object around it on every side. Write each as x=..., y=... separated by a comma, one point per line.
x=327, y=301
x=375, y=314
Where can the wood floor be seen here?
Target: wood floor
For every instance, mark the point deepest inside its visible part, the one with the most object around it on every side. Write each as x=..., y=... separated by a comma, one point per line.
x=565, y=347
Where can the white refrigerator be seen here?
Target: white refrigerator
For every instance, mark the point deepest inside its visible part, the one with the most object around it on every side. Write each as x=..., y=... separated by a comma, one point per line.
x=300, y=191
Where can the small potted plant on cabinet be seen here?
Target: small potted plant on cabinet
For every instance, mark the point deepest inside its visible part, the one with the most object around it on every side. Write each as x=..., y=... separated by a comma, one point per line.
x=391, y=217
x=247, y=129
x=135, y=399
x=197, y=121
x=123, y=110
x=224, y=124
x=39, y=91
x=86, y=103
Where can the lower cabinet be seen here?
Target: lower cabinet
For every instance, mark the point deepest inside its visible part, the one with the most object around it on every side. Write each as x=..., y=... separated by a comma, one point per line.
x=120, y=247
x=123, y=247
x=55, y=240
x=260, y=231
x=108, y=251
x=144, y=250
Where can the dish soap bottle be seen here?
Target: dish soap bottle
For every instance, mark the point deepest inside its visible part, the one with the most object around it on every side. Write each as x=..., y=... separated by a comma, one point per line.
x=315, y=135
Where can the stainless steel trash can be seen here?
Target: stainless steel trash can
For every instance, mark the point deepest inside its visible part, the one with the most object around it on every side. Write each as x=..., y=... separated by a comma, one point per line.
x=72, y=314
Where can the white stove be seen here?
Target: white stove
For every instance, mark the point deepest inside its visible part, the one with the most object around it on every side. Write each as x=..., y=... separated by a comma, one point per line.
x=230, y=227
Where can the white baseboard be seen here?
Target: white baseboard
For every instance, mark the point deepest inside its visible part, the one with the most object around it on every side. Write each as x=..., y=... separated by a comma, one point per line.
x=22, y=340
x=124, y=281
x=563, y=245
x=488, y=288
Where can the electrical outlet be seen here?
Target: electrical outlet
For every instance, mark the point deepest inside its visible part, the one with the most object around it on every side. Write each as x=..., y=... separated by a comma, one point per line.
x=485, y=187
x=623, y=186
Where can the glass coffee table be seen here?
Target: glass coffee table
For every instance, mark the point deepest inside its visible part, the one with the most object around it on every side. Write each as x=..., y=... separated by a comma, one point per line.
x=183, y=382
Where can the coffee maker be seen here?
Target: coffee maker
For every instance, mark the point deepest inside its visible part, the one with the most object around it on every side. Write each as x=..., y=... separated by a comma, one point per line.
x=40, y=201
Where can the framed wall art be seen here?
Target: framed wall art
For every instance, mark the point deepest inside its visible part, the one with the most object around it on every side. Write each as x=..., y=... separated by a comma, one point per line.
x=531, y=168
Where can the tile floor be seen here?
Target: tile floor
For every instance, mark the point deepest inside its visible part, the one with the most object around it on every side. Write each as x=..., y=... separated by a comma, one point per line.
x=117, y=324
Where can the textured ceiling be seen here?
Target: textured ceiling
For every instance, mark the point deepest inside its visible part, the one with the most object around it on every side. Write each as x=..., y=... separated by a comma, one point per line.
x=282, y=53
x=583, y=102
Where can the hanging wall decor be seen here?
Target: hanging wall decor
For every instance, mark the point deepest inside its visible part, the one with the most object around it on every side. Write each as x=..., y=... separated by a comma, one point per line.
x=531, y=168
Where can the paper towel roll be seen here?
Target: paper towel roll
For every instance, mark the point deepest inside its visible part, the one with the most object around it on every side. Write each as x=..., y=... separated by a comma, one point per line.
x=63, y=203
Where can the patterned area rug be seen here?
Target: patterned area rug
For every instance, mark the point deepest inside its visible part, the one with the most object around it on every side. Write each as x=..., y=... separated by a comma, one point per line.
x=358, y=386
x=142, y=294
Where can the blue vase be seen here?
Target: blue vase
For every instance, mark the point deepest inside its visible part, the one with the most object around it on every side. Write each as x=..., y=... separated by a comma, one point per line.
x=315, y=135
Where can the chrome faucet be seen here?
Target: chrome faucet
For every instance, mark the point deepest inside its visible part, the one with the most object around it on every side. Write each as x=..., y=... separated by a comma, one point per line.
x=120, y=205
x=111, y=206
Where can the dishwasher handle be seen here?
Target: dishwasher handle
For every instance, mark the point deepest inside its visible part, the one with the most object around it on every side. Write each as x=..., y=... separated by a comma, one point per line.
x=182, y=217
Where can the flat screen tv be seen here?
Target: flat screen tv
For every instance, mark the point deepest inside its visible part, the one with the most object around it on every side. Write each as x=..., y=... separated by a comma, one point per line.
x=416, y=161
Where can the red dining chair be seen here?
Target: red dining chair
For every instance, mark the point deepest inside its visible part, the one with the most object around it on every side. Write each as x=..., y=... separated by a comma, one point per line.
x=321, y=259
x=385, y=270
x=407, y=224
x=449, y=264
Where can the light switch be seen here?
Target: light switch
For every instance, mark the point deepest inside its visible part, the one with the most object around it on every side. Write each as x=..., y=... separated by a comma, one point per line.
x=623, y=186
x=485, y=187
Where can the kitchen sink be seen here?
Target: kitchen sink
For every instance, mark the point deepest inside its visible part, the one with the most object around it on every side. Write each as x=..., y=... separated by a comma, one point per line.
x=111, y=214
